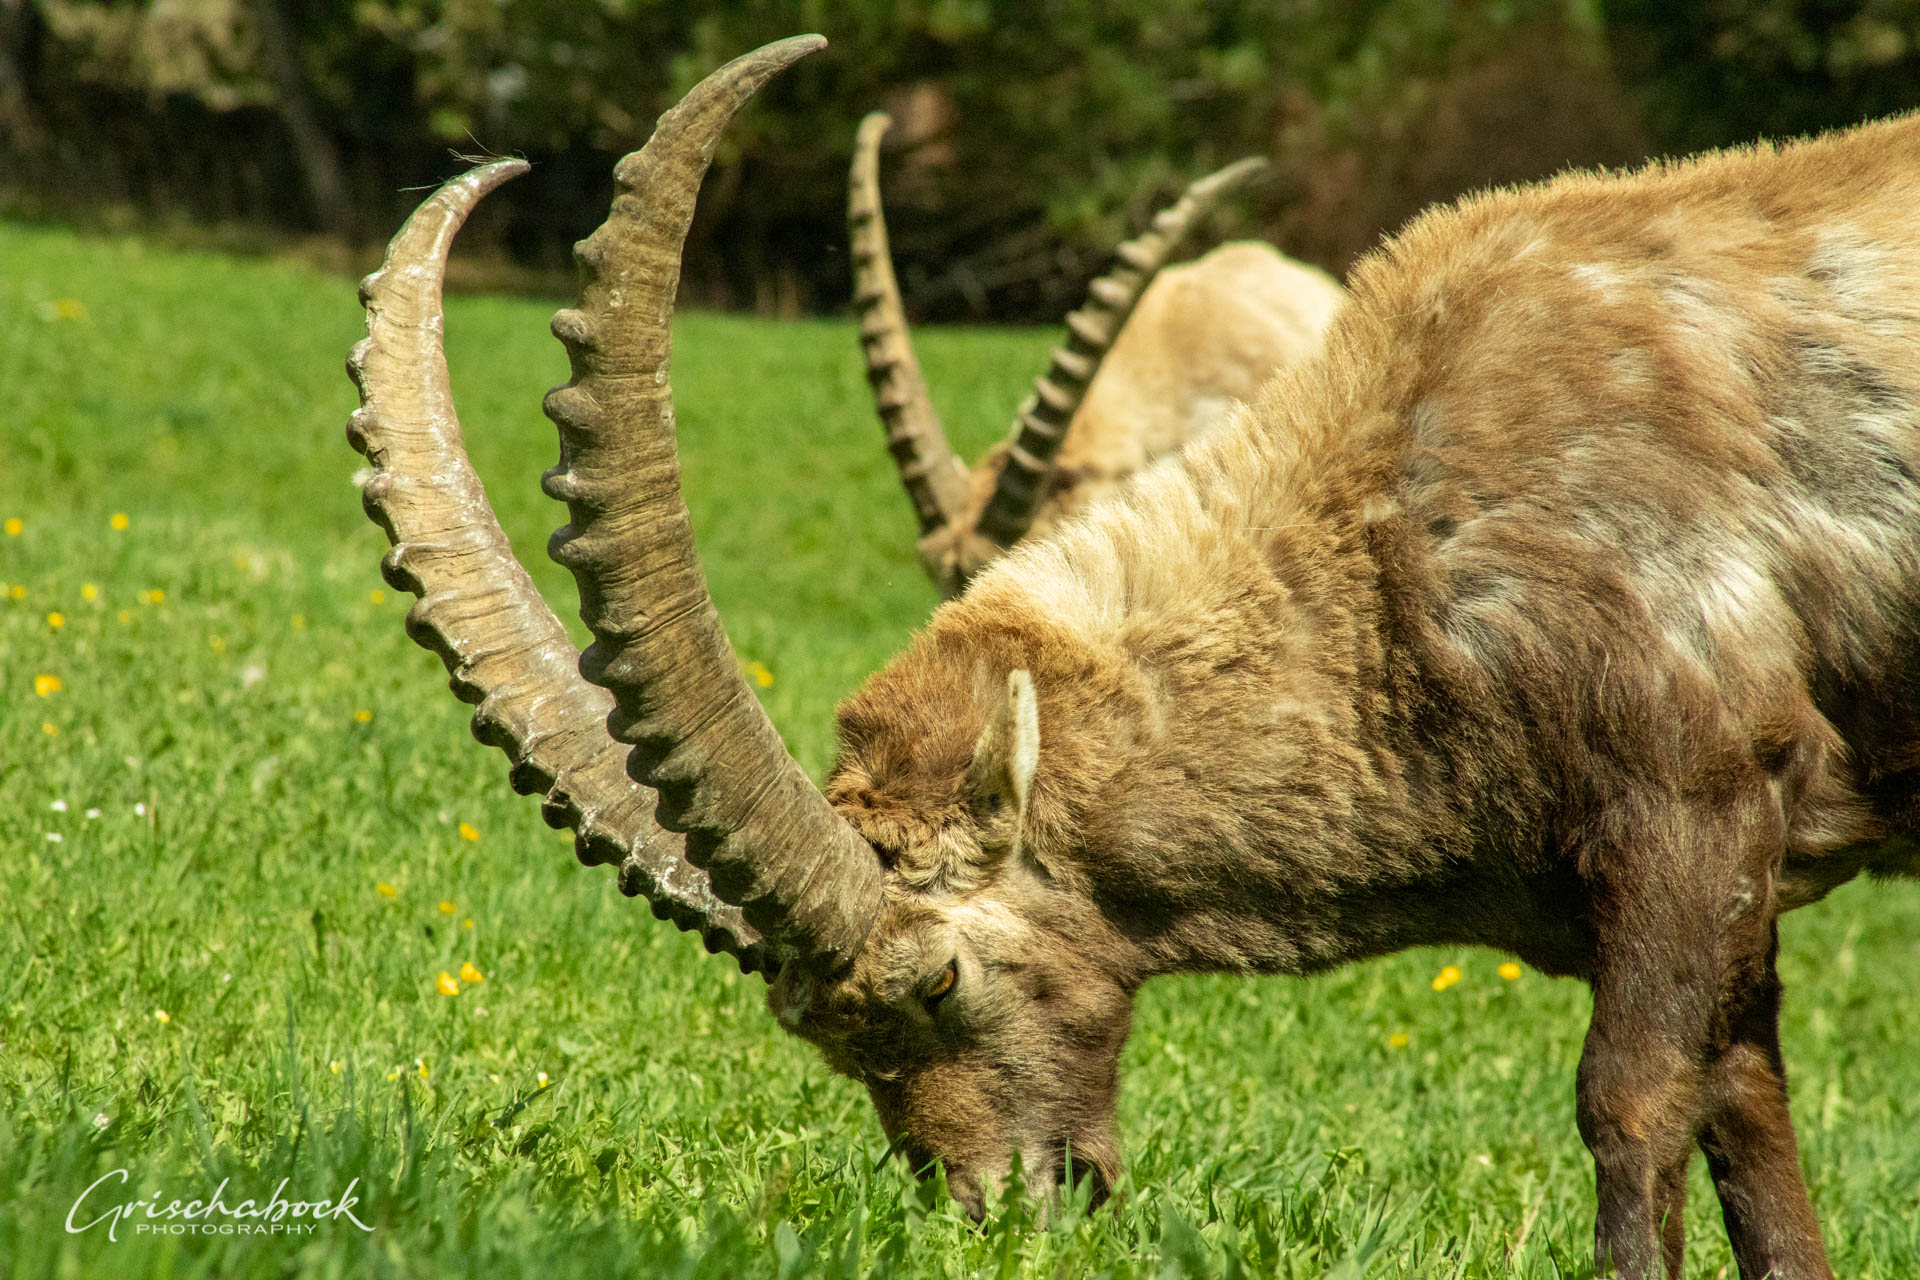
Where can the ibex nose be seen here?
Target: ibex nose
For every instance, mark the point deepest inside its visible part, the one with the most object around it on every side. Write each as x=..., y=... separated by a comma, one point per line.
x=969, y=1193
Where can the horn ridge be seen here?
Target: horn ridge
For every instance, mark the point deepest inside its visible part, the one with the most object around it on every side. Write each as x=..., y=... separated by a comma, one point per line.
x=773, y=846
x=934, y=476
x=477, y=609
x=1040, y=427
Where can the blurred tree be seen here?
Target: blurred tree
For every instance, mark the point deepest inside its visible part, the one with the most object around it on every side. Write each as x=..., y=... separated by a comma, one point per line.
x=19, y=47
x=277, y=27
x=1032, y=134
x=1719, y=71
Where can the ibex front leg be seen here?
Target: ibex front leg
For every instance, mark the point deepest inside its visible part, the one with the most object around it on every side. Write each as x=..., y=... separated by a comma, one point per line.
x=1641, y=1093
x=1750, y=1147
x=1681, y=1046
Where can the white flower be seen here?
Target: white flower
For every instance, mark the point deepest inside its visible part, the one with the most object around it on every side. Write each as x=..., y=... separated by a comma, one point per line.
x=58, y=806
x=92, y=814
x=102, y=1120
x=140, y=810
x=251, y=675
x=54, y=837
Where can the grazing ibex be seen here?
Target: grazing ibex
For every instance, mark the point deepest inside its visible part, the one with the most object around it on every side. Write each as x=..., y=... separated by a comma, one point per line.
x=1156, y=355
x=1568, y=603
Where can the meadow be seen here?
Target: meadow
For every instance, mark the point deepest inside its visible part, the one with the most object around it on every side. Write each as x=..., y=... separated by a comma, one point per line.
x=268, y=912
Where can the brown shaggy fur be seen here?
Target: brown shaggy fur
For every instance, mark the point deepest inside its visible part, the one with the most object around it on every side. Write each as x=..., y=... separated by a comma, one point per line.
x=1566, y=605
x=1204, y=337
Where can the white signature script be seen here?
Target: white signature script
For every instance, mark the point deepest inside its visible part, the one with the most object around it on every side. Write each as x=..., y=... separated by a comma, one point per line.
x=275, y=1214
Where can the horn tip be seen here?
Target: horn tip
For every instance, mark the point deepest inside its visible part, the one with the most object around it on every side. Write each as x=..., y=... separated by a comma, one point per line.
x=781, y=54
x=1241, y=172
x=483, y=178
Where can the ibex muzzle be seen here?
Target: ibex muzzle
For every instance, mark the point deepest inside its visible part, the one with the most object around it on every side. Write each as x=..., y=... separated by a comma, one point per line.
x=1566, y=604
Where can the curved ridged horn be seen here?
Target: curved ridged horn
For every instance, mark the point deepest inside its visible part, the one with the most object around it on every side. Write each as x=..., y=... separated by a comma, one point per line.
x=1041, y=425
x=763, y=833
x=934, y=476
x=477, y=609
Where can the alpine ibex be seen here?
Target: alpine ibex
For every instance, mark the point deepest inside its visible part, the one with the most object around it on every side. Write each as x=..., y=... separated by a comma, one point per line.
x=1568, y=603
x=1154, y=356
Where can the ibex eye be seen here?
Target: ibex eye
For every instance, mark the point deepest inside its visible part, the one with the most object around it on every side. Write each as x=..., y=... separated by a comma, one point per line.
x=942, y=985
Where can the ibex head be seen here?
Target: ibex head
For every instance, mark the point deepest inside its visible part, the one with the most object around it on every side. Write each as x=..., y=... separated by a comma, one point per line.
x=918, y=917
x=969, y=517
x=987, y=1011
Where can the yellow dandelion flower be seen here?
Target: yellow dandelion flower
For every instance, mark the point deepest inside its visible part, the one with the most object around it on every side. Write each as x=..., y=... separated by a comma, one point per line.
x=118, y=522
x=467, y=923
x=541, y=1078
x=49, y=728
x=89, y=592
x=17, y=591
x=334, y=1066
x=447, y=908
x=1398, y=1040
x=161, y=1015
x=217, y=643
x=447, y=986
x=125, y=616
x=385, y=890
x=1510, y=971
x=420, y=1064
x=376, y=596
x=469, y=832
x=761, y=676
x=1447, y=977
x=56, y=620
x=394, y=1074
x=69, y=309
x=363, y=716
x=155, y=596
x=14, y=527
x=299, y=621
x=46, y=686
x=469, y=974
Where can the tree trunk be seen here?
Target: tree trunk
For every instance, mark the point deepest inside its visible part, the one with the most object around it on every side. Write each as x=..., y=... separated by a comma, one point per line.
x=319, y=158
x=23, y=135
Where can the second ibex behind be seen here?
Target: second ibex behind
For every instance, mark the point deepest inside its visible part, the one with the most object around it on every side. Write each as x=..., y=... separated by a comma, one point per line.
x=1155, y=356
x=1568, y=604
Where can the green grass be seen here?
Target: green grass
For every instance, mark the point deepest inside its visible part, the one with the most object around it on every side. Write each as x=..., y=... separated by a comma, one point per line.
x=1273, y=1127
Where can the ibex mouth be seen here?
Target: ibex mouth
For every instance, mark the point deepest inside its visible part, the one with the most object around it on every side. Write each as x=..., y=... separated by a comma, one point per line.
x=1077, y=1170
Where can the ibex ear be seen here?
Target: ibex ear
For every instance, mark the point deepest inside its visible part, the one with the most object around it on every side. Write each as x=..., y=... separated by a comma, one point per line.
x=1008, y=752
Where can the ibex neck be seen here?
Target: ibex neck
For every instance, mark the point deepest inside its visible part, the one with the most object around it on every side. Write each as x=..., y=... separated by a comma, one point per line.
x=1233, y=775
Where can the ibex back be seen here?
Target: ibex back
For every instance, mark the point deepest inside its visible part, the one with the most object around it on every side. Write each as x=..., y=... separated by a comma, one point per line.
x=1566, y=604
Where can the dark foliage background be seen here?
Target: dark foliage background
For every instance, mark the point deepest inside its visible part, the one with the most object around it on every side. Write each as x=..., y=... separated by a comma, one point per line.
x=1031, y=134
